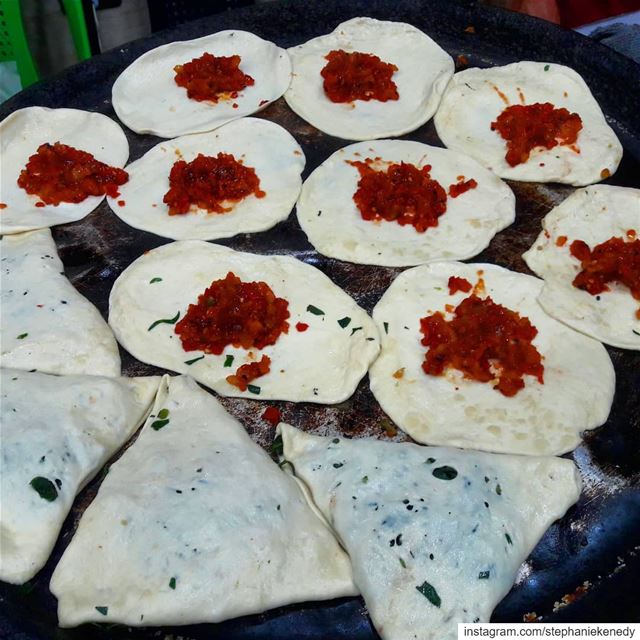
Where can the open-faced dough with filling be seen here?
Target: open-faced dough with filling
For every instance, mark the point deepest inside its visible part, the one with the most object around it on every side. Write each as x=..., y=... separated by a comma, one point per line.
x=195, y=524
x=23, y=132
x=323, y=363
x=451, y=410
x=435, y=535
x=424, y=69
x=593, y=215
x=57, y=433
x=476, y=97
x=259, y=144
x=147, y=99
x=333, y=223
x=45, y=324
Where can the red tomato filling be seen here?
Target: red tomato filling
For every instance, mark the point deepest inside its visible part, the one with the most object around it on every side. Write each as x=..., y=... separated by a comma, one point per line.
x=272, y=416
x=456, y=284
x=208, y=182
x=212, y=77
x=247, y=373
x=525, y=127
x=612, y=261
x=462, y=186
x=233, y=312
x=58, y=173
x=484, y=340
x=401, y=193
x=358, y=76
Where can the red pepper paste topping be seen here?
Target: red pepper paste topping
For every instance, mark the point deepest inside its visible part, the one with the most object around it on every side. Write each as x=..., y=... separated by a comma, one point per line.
x=462, y=186
x=402, y=193
x=358, y=76
x=247, y=373
x=208, y=182
x=631, y=233
x=612, y=261
x=3, y=205
x=561, y=241
x=302, y=326
x=212, y=78
x=59, y=173
x=272, y=416
x=525, y=127
x=458, y=284
x=230, y=311
x=484, y=340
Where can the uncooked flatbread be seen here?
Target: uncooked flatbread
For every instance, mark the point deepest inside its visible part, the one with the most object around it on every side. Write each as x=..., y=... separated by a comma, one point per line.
x=323, y=364
x=195, y=524
x=541, y=419
x=57, y=433
x=262, y=145
x=147, y=99
x=435, y=535
x=45, y=323
x=593, y=215
x=23, y=132
x=472, y=102
x=332, y=221
x=424, y=69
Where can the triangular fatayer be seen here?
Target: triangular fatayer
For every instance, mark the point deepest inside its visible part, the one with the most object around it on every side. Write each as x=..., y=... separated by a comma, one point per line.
x=195, y=524
x=435, y=535
x=57, y=433
x=45, y=323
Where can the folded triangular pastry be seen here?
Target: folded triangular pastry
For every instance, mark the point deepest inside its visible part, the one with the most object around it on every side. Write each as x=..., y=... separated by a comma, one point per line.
x=435, y=535
x=57, y=433
x=195, y=524
x=45, y=323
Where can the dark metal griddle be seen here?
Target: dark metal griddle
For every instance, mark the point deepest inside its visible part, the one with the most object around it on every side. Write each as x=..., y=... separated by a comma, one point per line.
x=595, y=548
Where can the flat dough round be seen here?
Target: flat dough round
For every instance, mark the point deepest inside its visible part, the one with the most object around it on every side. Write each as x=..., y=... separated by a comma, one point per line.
x=147, y=99
x=23, y=132
x=332, y=221
x=594, y=215
x=579, y=379
x=472, y=102
x=322, y=364
x=424, y=69
x=262, y=145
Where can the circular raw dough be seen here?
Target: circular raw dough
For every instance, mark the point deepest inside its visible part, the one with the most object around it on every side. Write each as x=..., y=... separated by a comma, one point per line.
x=265, y=146
x=424, y=69
x=541, y=419
x=594, y=215
x=472, y=102
x=23, y=132
x=147, y=99
x=322, y=364
x=332, y=221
